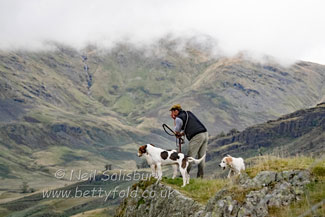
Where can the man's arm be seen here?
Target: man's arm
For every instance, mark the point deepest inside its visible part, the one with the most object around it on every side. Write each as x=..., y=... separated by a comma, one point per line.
x=178, y=127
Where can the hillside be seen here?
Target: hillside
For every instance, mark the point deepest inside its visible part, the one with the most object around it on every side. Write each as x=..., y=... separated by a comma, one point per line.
x=68, y=200
x=298, y=133
x=88, y=108
x=301, y=132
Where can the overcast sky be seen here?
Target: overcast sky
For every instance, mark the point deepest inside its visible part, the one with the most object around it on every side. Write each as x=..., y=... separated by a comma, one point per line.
x=288, y=30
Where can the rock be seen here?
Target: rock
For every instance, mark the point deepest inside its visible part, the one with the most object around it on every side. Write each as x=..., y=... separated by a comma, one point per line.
x=256, y=197
x=289, y=126
x=264, y=178
x=165, y=202
x=255, y=205
x=212, y=202
x=267, y=189
x=224, y=207
x=282, y=195
x=301, y=178
x=285, y=175
x=253, y=211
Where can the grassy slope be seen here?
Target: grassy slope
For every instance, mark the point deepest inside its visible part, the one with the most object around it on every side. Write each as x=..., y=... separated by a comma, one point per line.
x=58, y=124
x=239, y=93
x=36, y=205
x=203, y=190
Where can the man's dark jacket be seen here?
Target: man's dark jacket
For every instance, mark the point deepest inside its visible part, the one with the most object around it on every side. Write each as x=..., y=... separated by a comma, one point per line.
x=193, y=126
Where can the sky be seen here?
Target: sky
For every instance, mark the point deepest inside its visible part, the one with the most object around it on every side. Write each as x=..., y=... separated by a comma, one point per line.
x=287, y=30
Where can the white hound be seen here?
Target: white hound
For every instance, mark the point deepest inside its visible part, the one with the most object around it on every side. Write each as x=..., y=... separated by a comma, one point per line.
x=235, y=164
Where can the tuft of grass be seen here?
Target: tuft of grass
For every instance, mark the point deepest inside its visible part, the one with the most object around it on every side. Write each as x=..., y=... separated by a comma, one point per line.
x=278, y=164
x=318, y=169
x=239, y=193
x=141, y=201
x=144, y=184
x=200, y=190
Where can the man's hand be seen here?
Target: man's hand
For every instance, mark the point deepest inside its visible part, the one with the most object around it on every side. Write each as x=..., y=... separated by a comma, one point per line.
x=179, y=134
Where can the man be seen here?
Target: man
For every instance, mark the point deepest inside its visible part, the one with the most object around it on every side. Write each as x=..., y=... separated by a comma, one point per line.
x=196, y=133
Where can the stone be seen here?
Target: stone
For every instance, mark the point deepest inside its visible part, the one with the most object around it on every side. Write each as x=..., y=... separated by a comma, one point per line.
x=267, y=189
x=176, y=204
x=264, y=178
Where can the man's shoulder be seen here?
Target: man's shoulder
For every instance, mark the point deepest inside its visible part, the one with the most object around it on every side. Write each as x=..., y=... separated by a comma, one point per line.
x=181, y=114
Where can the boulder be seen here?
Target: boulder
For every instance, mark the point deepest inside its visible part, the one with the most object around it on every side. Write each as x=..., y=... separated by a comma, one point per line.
x=267, y=189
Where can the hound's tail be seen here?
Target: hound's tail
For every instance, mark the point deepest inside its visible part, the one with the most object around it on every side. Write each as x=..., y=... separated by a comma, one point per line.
x=196, y=161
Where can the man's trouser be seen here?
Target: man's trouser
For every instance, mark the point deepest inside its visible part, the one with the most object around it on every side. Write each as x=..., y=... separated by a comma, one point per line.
x=198, y=147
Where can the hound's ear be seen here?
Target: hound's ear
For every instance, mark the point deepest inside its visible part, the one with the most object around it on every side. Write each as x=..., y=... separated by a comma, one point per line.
x=143, y=149
x=229, y=160
x=228, y=155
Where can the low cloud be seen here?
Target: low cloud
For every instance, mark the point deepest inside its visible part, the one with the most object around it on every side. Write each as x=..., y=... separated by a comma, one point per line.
x=288, y=30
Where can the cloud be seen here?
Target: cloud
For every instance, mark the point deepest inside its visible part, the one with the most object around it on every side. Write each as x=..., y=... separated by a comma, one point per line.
x=288, y=30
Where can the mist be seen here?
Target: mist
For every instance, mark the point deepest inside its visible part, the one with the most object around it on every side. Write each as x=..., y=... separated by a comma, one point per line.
x=286, y=30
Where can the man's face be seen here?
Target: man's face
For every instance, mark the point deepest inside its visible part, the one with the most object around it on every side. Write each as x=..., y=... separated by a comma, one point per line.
x=174, y=113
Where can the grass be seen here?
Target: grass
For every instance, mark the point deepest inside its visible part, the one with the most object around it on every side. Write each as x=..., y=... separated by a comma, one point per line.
x=36, y=204
x=200, y=190
x=4, y=212
x=124, y=104
x=101, y=212
x=314, y=193
x=277, y=164
x=143, y=184
x=239, y=193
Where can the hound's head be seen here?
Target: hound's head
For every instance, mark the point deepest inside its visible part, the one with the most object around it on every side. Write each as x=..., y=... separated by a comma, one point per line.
x=142, y=150
x=226, y=162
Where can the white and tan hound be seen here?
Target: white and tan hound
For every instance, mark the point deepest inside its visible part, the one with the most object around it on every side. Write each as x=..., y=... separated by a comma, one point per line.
x=235, y=164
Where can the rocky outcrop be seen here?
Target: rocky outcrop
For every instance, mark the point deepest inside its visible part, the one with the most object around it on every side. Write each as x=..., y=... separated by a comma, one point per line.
x=289, y=127
x=158, y=200
x=247, y=197
x=267, y=189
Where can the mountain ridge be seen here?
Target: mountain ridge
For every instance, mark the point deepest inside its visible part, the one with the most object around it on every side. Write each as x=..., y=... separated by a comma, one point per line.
x=298, y=133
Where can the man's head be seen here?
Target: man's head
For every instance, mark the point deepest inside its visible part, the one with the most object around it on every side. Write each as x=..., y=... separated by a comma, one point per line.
x=174, y=110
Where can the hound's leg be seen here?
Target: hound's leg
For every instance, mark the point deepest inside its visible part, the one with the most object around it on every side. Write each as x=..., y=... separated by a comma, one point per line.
x=159, y=171
x=153, y=170
x=183, y=172
x=188, y=178
x=229, y=173
x=174, y=171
